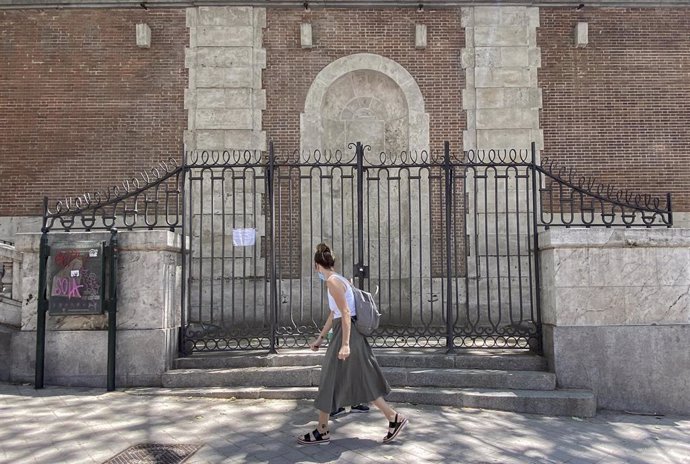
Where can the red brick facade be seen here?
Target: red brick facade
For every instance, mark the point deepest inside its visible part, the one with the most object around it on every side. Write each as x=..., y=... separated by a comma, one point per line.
x=620, y=107
x=291, y=69
x=81, y=106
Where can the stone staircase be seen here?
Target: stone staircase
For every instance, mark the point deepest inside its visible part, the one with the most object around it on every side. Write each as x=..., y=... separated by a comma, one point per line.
x=506, y=380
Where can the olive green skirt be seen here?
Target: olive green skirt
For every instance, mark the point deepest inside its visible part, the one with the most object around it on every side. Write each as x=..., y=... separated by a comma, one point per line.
x=356, y=380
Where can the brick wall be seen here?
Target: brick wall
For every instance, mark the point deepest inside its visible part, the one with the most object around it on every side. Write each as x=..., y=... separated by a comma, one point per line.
x=620, y=108
x=291, y=70
x=81, y=106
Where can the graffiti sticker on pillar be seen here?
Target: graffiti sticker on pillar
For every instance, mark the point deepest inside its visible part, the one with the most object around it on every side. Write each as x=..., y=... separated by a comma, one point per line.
x=75, y=279
x=243, y=237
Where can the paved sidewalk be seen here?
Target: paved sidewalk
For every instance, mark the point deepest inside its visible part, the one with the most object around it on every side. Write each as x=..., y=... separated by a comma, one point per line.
x=70, y=425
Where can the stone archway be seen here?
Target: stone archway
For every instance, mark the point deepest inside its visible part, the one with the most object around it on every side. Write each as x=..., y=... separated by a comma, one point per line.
x=374, y=100
x=392, y=86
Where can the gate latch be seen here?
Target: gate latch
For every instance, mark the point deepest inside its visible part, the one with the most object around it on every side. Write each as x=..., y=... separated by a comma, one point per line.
x=361, y=271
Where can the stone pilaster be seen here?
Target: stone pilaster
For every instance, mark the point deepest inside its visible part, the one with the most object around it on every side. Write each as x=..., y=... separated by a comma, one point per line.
x=225, y=59
x=502, y=97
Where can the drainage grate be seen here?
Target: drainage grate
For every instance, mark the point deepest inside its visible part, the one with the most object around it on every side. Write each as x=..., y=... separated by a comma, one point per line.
x=152, y=453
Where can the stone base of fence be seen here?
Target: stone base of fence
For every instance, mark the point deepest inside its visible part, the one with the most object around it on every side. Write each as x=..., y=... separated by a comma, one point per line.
x=616, y=313
x=148, y=316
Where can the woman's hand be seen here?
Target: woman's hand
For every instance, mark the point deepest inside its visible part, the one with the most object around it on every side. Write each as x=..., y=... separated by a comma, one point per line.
x=344, y=352
x=316, y=343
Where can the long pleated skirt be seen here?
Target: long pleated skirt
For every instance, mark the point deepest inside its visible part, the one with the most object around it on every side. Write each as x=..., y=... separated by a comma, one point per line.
x=356, y=380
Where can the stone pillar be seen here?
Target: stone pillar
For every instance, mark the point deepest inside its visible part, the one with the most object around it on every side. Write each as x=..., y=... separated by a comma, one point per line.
x=225, y=101
x=501, y=58
x=616, y=312
x=225, y=98
x=502, y=101
x=148, y=319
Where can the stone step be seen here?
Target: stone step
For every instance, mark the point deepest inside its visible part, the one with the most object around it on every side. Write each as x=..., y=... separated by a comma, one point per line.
x=518, y=360
x=308, y=376
x=577, y=403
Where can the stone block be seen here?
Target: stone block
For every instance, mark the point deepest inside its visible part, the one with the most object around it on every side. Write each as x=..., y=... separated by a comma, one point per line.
x=210, y=140
x=260, y=58
x=241, y=139
x=507, y=118
x=505, y=77
x=420, y=36
x=224, y=16
x=496, y=57
x=502, y=138
x=581, y=34
x=238, y=98
x=10, y=312
x=225, y=77
x=143, y=33
x=501, y=36
x=467, y=17
x=469, y=99
x=467, y=58
x=494, y=15
x=210, y=98
x=6, y=334
x=657, y=305
x=643, y=369
x=224, y=119
x=305, y=35
x=222, y=57
x=224, y=36
x=79, y=358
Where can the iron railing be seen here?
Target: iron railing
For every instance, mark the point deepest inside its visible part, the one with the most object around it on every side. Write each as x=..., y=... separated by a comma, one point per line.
x=448, y=238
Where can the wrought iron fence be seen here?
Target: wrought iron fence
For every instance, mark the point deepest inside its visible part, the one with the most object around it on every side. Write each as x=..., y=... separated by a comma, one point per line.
x=447, y=239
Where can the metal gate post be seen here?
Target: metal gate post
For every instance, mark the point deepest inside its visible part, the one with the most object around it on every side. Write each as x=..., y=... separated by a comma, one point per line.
x=112, y=309
x=273, y=293
x=181, y=348
x=535, y=232
x=449, y=217
x=359, y=267
x=41, y=304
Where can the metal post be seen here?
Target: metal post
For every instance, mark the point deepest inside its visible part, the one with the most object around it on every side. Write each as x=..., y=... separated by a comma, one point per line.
x=359, y=153
x=112, y=309
x=670, y=211
x=449, y=217
x=273, y=293
x=535, y=233
x=44, y=252
x=181, y=348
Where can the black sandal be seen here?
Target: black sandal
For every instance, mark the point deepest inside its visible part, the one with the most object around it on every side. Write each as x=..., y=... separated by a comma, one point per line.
x=394, y=429
x=315, y=438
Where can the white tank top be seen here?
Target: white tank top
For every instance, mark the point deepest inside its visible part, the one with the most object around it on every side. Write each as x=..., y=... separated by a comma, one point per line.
x=349, y=299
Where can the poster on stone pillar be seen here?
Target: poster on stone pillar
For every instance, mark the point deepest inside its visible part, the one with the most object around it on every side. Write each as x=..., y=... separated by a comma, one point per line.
x=75, y=278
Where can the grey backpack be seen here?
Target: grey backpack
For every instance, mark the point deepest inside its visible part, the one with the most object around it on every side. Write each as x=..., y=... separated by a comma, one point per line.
x=367, y=314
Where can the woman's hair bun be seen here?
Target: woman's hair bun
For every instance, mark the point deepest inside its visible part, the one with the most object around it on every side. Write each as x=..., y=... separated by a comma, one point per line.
x=324, y=256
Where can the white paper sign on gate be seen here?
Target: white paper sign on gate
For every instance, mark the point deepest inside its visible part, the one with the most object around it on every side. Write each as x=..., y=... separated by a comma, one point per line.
x=243, y=237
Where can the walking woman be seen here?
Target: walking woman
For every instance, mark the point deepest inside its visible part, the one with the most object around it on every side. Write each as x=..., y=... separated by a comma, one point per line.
x=350, y=374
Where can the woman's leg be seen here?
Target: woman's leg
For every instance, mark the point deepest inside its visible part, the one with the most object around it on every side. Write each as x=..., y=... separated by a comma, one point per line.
x=323, y=421
x=385, y=408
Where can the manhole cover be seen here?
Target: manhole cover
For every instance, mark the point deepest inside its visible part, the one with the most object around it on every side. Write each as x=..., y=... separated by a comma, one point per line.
x=152, y=453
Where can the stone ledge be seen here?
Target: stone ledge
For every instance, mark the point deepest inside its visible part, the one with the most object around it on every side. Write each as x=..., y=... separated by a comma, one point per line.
x=136, y=240
x=613, y=238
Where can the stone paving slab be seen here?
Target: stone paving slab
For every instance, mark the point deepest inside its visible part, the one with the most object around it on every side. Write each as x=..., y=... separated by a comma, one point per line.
x=73, y=425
